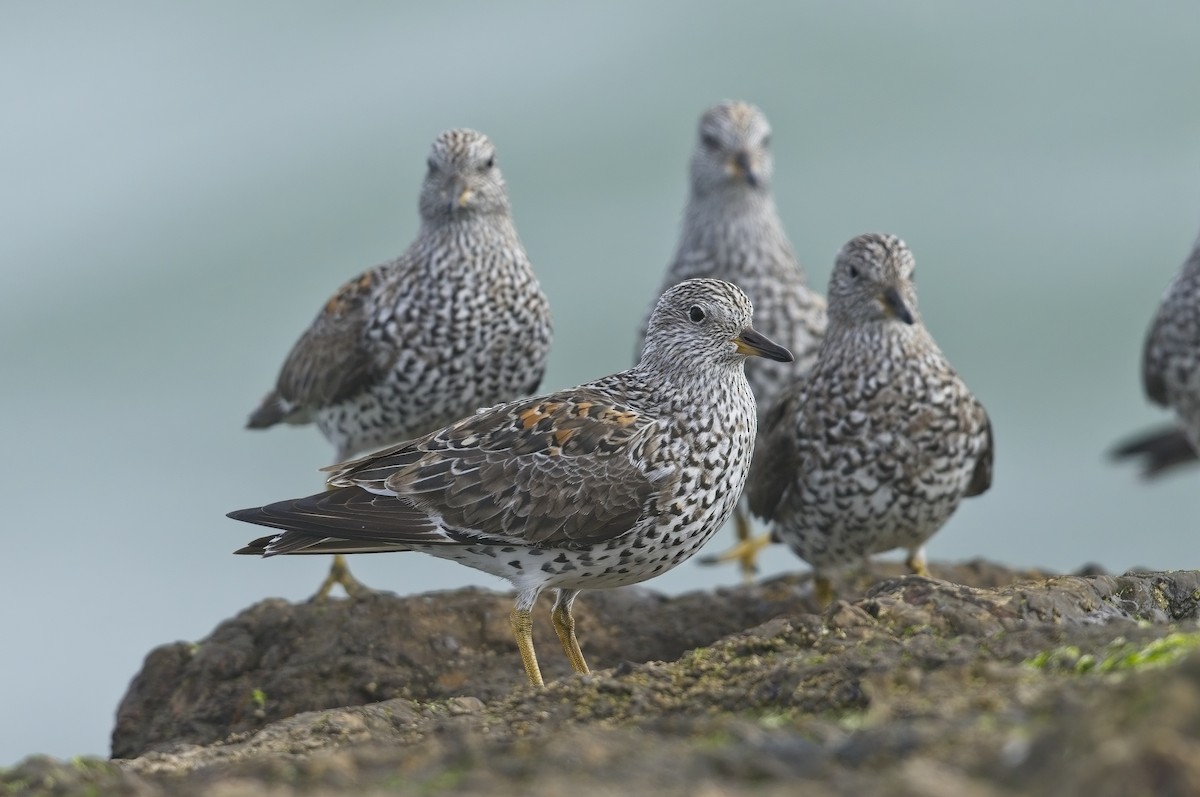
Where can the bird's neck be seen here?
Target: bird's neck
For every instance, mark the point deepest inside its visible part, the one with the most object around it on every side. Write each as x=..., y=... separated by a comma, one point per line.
x=675, y=383
x=877, y=338
x=733, y=221
x=491, y=237
x=468, y=229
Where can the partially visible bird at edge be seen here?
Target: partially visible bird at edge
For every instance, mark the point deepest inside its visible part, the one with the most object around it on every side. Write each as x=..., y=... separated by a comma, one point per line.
x=1171, y=376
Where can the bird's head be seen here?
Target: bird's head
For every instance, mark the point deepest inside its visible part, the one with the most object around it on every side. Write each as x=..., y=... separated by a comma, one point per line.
x=732, y=150
x=463, y=177
x=873, y=282
x=701, y=322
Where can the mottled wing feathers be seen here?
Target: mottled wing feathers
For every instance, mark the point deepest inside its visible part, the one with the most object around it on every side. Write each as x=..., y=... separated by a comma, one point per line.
x=1169, y=357
x=774, y=464
x=1153, y=377
x=981, y=478
x=553, y=471
x=330, y=363
x=789, y=437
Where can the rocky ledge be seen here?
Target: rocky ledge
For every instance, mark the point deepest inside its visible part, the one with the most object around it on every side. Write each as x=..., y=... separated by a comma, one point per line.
x=994, y=682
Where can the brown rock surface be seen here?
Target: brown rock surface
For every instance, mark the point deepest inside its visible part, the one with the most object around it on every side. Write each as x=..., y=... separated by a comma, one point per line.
x=1067, y=685
x=277, y=659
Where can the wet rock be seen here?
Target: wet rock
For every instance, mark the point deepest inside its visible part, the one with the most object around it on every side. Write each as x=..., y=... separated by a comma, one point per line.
x=1086, y=684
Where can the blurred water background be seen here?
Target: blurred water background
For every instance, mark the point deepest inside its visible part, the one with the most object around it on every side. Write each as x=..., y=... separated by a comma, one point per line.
x=184, y=184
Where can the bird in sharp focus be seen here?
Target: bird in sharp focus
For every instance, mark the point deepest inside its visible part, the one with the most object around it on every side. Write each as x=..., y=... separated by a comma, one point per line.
x=599, y=486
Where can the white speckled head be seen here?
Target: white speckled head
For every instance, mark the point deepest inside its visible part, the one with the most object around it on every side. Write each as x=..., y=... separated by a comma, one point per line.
x=733, y=150
x=873, y=282
x=701, y=322
x=463, y=178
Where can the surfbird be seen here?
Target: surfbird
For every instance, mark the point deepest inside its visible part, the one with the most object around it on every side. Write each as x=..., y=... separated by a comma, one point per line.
x=457, y=322
x=1171, y=375
x=732, y=231
x=599, y=486
x=875, y=449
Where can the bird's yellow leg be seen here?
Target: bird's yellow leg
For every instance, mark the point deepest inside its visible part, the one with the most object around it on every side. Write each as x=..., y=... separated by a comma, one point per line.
x=822, y=590
x=916, y=562
x=564, y=625
x=522, y=625
x=339, y=573
x=745, y=552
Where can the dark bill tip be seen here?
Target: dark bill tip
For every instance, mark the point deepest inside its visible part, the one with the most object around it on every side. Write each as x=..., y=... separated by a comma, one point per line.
x=753, y=343
x=896, y=307
x=746, y=168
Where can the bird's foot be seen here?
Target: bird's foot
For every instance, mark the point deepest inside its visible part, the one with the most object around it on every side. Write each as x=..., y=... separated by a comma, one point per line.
x=822, y=591
x=339, y=573
x=916, y=563
x=745, y=553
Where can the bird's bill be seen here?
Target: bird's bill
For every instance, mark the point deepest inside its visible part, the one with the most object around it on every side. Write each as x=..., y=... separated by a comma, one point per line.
x=894, y=306
x=464, y=197
x=740, y=166
x=458, y=195
x=753, y=343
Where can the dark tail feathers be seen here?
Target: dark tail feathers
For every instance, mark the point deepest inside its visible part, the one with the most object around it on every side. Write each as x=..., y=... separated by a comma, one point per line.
x=269, y=412
x=1157, y=451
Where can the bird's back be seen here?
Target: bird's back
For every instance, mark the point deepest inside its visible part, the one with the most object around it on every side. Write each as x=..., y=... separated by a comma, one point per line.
x=453, y=324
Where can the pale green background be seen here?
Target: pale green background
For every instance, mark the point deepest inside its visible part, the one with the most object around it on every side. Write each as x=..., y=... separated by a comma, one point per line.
x=181, y=188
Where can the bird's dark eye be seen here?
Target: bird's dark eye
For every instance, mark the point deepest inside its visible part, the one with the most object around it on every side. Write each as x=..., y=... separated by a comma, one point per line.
x=491, y=162
x=853, y=272
x=432, y=165
x=696, y=313
x=709, y=141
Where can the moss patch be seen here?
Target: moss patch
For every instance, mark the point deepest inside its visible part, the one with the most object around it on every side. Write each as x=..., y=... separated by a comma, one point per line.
x=1118, y=656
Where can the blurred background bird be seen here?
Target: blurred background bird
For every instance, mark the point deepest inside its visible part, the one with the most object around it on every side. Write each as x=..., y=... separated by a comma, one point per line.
x=732, y=231
x=873, y=448
x=455, y=323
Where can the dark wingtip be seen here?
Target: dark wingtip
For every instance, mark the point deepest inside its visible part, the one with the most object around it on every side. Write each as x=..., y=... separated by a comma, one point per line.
x=255, y=547
x=1159, y=451
x=269, y=413
x=264, y=418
